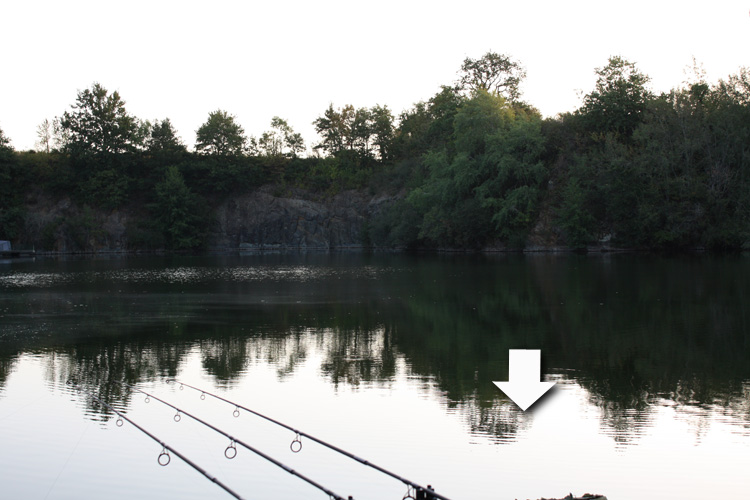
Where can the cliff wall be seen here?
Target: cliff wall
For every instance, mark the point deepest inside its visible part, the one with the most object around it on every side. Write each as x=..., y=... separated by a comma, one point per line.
x=262, y=219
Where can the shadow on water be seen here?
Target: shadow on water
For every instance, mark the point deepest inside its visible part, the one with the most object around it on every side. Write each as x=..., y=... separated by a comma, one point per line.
x=635, y=332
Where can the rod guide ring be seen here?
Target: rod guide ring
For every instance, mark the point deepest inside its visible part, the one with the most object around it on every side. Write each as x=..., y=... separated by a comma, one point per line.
x=231, y=451
x=164, y=458
x=296, y=445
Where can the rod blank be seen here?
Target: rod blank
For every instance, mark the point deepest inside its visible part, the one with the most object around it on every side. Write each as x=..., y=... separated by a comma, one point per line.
x=233, y=439
x=163, y=444
x=426, y=492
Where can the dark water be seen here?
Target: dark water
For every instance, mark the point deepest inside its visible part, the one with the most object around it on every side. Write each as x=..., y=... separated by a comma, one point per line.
x=391, y=357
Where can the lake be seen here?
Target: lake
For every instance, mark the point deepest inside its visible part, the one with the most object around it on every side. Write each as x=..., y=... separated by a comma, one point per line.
x=390, y=357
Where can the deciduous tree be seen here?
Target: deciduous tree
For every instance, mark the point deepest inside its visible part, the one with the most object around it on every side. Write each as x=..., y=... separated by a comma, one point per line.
x=179, y=213
x=382, y=130
x=4, y=142
x=488, y=184
x=11, y=190
x=362, y=133
x=333, y=127
x=428, y=125
x=220, y=135
x=493, y=72
x=619, y=98
x=44, y=136
x=99, y=124
x=281, y=140
x=162, y=138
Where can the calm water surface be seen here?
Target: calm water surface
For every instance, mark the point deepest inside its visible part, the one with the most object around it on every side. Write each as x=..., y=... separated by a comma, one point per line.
x=390, y=357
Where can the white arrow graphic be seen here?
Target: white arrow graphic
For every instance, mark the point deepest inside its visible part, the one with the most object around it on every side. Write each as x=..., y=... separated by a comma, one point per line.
x=524, y=384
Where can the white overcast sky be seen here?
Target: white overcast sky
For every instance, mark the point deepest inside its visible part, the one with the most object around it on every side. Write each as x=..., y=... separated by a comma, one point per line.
x=183, y=59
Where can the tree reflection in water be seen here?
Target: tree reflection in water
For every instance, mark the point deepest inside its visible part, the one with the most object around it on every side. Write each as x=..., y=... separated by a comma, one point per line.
x=635, y=332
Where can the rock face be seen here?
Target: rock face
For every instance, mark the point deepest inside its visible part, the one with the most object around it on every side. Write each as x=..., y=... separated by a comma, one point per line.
x=260, y=220
x=60, y=226
x=263, y=220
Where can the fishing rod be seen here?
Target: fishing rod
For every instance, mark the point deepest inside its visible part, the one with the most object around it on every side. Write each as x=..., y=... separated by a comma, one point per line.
x=421, y=492
x=231, y=450
x=164, y=457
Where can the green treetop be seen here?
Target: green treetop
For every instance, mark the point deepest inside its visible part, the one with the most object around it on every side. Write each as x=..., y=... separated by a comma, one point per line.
x=221, y=135
x=495, y=73
x=98, y=123
x=619, y=98
x=280, y=141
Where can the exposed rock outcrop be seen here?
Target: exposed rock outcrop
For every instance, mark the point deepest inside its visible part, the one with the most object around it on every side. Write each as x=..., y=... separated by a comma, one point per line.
x=60, y=226
x=263, y=220
x=260, y=220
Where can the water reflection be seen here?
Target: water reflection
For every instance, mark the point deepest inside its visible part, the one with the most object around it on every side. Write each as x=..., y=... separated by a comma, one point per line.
x=356, y=356
x=6, y=366
x=637, y=333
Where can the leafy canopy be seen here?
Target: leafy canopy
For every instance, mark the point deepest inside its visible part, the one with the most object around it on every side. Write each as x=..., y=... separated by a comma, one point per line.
x=488, y=184
x=221, y=135
x=178, y=212
x=619, y=98
x=162, y=137
x=4, y=141
x=280, y=141
x=366, y=133
x=495, y=73
x=99, y=124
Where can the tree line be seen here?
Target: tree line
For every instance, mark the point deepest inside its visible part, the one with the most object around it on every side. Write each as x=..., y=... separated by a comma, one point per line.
x=472, y=166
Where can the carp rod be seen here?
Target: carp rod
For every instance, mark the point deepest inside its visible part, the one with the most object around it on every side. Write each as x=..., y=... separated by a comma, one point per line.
x=421, y=491
x=231, y=451
x=164, y=457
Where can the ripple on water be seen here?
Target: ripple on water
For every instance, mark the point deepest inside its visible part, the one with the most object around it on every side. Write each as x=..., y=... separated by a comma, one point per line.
x=190, y=275
x=34, y=280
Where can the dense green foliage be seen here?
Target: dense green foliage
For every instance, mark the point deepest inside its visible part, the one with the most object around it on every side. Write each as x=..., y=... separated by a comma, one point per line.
x=358, y=137
x=668, y=171
x=485, y=182
x=180, y=216
x=11, y=182
x=472, y=167
x=221, y=135
x=630, y=168
x=280, y=141
x=99, y=124
x=496, y=73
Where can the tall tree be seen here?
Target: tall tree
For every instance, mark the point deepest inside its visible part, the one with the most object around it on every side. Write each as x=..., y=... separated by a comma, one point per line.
x=353, y=132
x=220, y=135
x=333, y=128
x=619, y=98
x=382, y=130
x=99, y=124
x=281, y=140
x=98, y=133
x=493, y=72
x=60, y=136
x=4, y=142
x=489, y=182
x=428, y=125
x=179, y=213
x=44, y=136
x=12, y=184
x=737, y=87
x=162, y=138
x=359, y=132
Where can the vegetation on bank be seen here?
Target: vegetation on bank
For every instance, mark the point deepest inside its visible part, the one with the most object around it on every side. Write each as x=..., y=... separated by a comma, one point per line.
x=472, y=166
